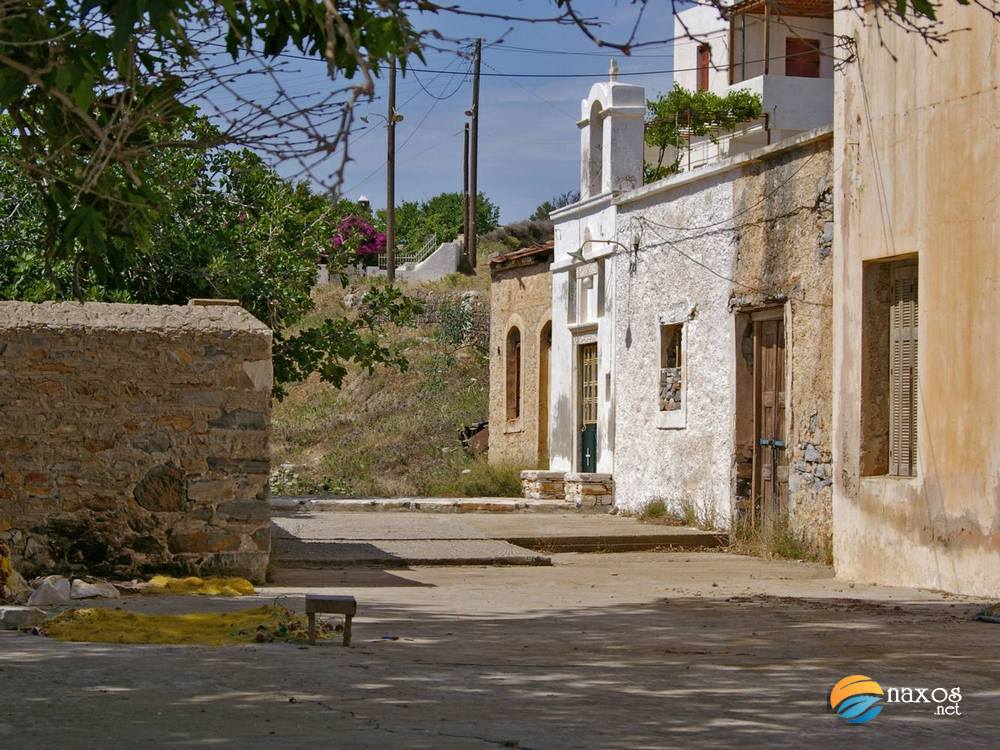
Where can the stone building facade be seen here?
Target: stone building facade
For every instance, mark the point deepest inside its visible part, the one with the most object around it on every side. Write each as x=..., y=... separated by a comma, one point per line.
x=134, y=439
x=917, y=280
x=520, y=344
x=727, y=292
x=691, y=322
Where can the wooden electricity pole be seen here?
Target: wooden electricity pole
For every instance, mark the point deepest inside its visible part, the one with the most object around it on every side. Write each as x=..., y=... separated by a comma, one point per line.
x=465, y=193
x=390, y=179
x=474, y=156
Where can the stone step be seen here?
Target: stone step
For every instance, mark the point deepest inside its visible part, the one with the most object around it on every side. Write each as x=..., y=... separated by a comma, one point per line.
x=317, y=503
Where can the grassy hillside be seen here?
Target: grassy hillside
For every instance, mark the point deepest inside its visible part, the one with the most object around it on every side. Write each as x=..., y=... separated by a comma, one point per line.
x=392, y=433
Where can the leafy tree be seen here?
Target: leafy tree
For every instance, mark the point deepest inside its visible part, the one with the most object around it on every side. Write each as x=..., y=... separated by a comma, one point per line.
x=542, y=212
x=442, y=215
x=229, y=227
x=93, y=87
x=675, y=116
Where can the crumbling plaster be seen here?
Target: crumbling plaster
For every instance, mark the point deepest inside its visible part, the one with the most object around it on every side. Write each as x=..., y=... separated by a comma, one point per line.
x=690, y=463
x=917, y=140
x=779, y=251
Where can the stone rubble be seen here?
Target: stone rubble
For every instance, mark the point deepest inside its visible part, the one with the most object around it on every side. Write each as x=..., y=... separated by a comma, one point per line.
x=14, y=618
x=98, y=589
x=51, y=590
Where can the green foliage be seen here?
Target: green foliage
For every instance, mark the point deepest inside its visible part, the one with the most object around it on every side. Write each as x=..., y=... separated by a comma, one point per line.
x=675, y=116
x=334, y=344
x=455, y=320
x=230, y=227
x=521, y=234
x=442, y=215
x=542, y=212
x=389, y=433
x=93, y=87
x=654, y=510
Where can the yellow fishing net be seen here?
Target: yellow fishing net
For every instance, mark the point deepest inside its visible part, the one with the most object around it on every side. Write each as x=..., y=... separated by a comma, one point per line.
x=202, y=586
x=257, y=625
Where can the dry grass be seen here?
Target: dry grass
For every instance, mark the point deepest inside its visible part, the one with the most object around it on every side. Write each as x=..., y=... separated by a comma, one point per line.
x=388, y=433
x=778, y=541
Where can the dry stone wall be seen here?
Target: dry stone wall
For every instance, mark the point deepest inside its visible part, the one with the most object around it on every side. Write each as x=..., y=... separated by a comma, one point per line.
x=135, y=439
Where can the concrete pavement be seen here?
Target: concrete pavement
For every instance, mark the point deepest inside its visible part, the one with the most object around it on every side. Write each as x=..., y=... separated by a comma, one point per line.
x=632, y=650
x=326, y=539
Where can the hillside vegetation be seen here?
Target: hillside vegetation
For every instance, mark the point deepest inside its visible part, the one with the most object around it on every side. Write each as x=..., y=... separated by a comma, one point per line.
x=397, y=434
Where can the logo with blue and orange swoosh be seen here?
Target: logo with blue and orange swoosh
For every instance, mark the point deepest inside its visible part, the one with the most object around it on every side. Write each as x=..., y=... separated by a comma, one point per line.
x=857, y=698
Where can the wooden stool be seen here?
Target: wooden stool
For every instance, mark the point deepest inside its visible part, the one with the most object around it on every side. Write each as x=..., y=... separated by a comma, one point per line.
x=330, y=604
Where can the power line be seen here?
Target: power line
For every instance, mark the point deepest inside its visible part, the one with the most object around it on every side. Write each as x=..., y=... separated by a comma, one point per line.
x=603, y=74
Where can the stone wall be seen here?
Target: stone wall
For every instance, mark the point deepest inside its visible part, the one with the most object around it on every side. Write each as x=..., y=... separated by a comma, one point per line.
x=758, y=242
x=589, y=490
x=543, y=485
x=134, y=439
x=521, y=296
x=783, y=259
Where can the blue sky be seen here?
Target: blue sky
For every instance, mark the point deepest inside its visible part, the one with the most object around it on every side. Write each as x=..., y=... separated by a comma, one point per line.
x=529, y=143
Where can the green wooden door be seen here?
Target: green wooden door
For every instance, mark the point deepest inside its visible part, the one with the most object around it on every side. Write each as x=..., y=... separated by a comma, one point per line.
x=588, y=404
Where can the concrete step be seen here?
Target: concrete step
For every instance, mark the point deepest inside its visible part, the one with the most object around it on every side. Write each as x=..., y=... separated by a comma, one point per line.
x=317, y=503
x=686, y=540
x=303, y=539
x=399, y=553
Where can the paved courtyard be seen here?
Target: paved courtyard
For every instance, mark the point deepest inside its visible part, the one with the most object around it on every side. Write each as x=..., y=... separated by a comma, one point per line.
x=627, y=650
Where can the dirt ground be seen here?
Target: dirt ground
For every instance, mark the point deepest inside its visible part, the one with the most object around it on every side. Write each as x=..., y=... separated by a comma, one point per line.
x=631, y=650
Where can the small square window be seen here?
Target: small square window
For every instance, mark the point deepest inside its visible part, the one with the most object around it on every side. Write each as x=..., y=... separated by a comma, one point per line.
x=671, y=394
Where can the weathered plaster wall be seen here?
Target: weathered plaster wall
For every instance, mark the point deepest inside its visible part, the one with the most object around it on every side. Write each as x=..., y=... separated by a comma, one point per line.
x=134, y=438
x=918, y=141
x=594, y=219
x=783, y=255
x=685, y=462
x=762, y=219
x=522, y=297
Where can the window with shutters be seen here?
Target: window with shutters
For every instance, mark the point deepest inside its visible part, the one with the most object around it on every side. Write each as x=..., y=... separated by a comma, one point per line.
x=802, y=57
x=903, y=370
x=889, y=369
x=513, y=390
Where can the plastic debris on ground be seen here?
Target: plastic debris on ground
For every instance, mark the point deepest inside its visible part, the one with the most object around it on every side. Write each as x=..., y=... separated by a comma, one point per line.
x=201, y=586
x=265, y=624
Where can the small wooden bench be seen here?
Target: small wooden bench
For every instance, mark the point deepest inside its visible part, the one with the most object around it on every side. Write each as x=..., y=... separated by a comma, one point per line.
x=330, y=604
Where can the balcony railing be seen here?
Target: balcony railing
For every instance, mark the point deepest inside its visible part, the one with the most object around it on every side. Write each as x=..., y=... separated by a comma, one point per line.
x=405, y=256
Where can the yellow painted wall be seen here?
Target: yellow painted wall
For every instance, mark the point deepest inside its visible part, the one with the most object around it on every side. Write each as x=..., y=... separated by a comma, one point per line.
x=917, y=141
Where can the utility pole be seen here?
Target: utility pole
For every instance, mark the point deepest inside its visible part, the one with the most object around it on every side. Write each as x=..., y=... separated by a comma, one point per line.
x=465, y=194
x=390, y=179
x=474, y=156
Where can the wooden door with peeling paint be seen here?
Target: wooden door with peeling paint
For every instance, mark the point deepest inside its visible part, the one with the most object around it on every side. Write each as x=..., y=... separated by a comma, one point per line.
x=770, y=474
